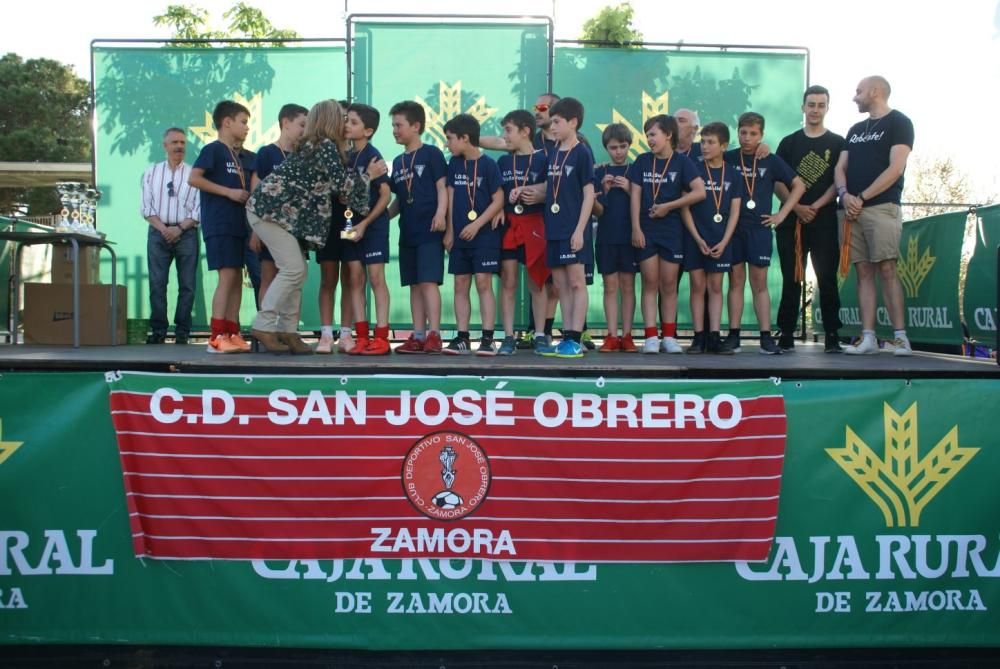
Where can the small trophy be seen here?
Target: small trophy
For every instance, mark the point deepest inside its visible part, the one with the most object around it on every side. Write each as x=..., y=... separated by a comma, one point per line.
x=348, y=233
x=447, y=498
x=69, y=214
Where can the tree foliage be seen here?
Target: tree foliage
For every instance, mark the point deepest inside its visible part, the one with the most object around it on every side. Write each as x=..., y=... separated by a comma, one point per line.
x=44, y=117
x=613, y=24
x=936, y=181
x=244, y=22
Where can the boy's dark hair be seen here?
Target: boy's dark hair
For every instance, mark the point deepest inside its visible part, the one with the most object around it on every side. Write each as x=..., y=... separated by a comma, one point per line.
x=412, y=111
x=751, y=118
x=717, y=129
x=616, y=132
x=815, y=89
x=521, y=118
x=369, y=115
x=227, y=109
x=666, y=123
x=464, y=125
x=291, y=112
x=568, y=109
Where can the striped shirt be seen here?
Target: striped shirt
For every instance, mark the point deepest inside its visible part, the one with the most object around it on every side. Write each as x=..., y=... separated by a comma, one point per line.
x=166, y=193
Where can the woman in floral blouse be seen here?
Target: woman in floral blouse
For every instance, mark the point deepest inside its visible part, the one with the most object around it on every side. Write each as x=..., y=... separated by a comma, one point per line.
x=293, y=204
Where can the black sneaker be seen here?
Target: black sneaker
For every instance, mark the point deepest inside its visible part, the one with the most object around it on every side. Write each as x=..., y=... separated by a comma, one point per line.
x=698, y=344
x=457, y=346
x=526, y=340
x=732, y=343
x=716, y=346
x=768, y=346
x=832, y=343
x=786, y=343
x=181, y=340
x=156, y=339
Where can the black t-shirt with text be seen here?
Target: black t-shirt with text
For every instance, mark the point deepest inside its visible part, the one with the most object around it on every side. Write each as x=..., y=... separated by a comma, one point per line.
x=868, y=146
x=814, y=160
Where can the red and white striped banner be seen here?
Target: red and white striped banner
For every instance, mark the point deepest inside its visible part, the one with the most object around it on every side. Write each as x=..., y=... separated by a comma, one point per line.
x=635, y=476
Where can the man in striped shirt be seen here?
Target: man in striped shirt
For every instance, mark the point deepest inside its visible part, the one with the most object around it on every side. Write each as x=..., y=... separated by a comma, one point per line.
x=172, y=208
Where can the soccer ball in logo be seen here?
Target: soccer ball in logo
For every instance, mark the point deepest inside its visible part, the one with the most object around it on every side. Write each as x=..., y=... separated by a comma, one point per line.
x=446, y=499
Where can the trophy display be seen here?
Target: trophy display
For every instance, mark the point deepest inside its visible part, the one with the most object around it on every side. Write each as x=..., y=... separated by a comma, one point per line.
x=79, y=208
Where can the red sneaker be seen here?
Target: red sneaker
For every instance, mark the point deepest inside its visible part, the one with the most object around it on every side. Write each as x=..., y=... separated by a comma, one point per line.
x=411, y=345
x=610, y=345
x=360, y=344
x=240, y=342
x=433, y=343
x=377, y=346
x=627, y=345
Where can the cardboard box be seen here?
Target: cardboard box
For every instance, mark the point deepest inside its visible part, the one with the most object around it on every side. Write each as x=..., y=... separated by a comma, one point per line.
x=62, y=264
x=48, y=314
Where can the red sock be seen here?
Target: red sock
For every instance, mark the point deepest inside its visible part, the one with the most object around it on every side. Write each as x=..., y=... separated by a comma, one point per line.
x=361, y=327
x=670, y=329
x=650, y=331
x=232, y=327
x=218, y=327
x=382, y=331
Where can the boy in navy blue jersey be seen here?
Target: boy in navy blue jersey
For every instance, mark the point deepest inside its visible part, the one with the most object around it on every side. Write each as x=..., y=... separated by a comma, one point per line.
x=664, y=181
x=292, y=122
x=368, y=251
x=524, y=234
x=419, y=181
x=223, y=174
x=617, y=260
x=711, y=224
x=753, y=240
x=569, y=201
x=473, y=237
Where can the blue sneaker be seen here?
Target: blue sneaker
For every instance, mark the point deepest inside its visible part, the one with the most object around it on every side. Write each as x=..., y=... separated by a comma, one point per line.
x=508, y=346
x=568, y=348
x=544, y=347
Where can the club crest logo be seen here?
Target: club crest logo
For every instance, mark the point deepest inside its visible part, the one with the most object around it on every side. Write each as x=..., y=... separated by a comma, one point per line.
x=420, y=170
x=902, y=483
x=914, y=267
x=446, y=475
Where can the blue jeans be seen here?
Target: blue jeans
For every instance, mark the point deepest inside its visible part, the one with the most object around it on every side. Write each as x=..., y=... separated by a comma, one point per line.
x=159, y=255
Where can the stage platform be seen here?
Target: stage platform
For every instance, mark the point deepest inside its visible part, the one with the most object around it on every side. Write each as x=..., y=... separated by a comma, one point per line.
x=808, y=361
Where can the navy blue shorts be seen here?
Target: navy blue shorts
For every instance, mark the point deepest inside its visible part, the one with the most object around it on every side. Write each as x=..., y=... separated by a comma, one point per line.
x=373, y=249
x=558, y=254
x=467, y=260
x=225, y=251
x=665, y=249
x=265, y=254
x=514, y=254
x=333, y=250
x=615, y=258
x=588, y=274
x=421, y=264
x=752, y=244
x=694, y=259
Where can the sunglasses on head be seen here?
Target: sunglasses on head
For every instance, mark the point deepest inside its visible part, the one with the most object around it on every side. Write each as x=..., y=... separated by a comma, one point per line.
x=542, y=108
x=170, y=189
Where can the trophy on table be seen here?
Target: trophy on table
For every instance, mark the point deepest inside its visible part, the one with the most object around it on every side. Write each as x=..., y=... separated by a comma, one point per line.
x=79, y=207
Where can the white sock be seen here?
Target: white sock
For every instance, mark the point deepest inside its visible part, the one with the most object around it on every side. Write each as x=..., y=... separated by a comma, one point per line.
x=345, y=332
x=868, y=334
x=900, y=334
x=419, y=335
x=326, y=331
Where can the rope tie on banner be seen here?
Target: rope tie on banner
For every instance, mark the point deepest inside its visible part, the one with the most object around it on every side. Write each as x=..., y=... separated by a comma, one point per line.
x=800, y=270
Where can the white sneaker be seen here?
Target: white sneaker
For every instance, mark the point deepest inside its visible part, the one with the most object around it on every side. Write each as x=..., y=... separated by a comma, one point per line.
x=325, y=344
x=345, y=344
x=867, y=346
x=902, y=346
x=670, y=345
x=651, y=345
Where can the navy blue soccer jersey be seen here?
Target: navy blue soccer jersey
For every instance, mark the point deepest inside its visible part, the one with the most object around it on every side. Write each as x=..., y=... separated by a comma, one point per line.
x=519, y=171
x=229, y=168
x=359, y=161
x=662, y=180
x=474, y=183
x=759, y=177
x=722, y=184
x=268, y=157
x=615, y=224
x=568, y=173
x=414, y=177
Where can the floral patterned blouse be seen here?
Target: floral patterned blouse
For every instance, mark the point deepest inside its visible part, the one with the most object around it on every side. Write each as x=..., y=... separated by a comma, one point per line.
x=296, y=195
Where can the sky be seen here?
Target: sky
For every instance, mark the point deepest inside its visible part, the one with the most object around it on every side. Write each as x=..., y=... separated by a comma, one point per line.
x=942, y=59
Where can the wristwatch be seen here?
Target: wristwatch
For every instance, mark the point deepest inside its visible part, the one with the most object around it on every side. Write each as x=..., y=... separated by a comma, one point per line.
x=860, y=196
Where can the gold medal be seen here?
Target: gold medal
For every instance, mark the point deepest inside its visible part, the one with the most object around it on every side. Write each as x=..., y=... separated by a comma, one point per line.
x=518, y=208
x=348, y=214
x=717, y=218
x=751, y=204
x=472, y=216
x=554, y=208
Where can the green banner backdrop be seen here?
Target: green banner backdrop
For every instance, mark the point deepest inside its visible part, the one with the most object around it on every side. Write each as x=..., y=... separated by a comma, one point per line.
x=981, y=278
x=887, y=535
x=140, y=92
x=930, y=254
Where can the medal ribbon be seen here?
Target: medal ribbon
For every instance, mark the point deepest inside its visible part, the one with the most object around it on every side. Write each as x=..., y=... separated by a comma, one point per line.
x=659, y=182
x=409, y=177
x=239, y=167
x=557, y=180
x=753, y=180
x=470, y=185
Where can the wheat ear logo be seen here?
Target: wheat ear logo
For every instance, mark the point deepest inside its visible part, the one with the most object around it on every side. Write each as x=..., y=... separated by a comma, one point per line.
x=450, y=106
x=903, y=483
x=914, y=268
x=650, y=107
x=257, y=136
